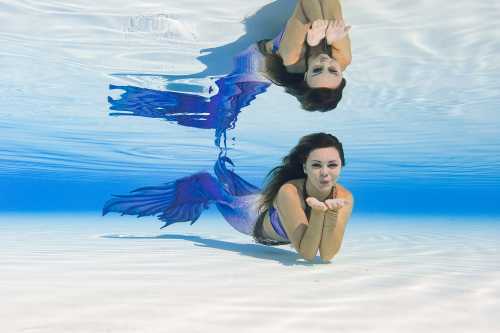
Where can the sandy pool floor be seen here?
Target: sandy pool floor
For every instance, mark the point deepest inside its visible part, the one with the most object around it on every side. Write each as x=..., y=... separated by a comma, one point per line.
x=92, y=274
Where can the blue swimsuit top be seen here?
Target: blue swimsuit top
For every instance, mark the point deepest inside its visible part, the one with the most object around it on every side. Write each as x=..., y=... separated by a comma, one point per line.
x=275, y=219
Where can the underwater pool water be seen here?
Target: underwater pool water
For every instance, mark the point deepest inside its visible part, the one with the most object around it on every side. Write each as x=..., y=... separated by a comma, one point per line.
x=103, y=98
x=418, y=119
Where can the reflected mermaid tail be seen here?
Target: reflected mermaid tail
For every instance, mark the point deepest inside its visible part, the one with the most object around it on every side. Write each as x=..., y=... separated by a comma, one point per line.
x=185, y=199
x=219, y=112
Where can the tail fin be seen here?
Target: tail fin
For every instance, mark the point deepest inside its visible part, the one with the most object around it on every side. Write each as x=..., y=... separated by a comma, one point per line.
x=185, y=199
x=182, y=200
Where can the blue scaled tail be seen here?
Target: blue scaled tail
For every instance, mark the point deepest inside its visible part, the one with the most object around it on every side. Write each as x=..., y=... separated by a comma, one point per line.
x=184, y=199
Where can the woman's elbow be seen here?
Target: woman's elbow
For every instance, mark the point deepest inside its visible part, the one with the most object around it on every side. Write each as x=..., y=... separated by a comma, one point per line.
x=345, y=62
x=325, y=256
x=328, y=256
x=348, y=60
x=290, y=59
x=309, y=256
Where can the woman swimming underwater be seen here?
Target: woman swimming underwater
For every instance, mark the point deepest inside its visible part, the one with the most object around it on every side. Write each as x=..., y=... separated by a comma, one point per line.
x=309, y=57
x=301, y=203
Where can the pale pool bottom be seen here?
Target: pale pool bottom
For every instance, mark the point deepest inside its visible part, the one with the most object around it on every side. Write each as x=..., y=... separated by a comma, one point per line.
x=113, y=274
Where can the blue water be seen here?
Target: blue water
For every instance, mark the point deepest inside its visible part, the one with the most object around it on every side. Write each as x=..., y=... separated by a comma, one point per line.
x=101, y=98
x=419, y=117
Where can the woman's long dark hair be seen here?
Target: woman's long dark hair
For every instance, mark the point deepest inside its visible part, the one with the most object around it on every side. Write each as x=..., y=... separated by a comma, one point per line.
x=311, y=99
x=292, y=164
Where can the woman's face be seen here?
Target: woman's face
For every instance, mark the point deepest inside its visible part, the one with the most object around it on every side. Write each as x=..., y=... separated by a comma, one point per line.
x=322, y=168
x=323, y=72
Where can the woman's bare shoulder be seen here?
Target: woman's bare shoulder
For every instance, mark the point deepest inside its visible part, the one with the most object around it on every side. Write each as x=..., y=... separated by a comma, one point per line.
x=292, y=188
x=343, y=193
x=295, y=184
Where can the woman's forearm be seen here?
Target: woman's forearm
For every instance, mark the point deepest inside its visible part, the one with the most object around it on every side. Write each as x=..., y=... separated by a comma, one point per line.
x=311, y=238
x=333, y=232
x=330, y=238
x=341, y=50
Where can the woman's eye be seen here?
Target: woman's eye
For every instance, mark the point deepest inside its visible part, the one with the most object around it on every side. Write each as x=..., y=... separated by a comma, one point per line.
x=333, y=70
x=317, y=70
x=333, y=165
x=316, y=165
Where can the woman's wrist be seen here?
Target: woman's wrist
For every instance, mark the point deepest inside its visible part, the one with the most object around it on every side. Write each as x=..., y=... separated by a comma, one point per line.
x=317, y=213
x=331, y=215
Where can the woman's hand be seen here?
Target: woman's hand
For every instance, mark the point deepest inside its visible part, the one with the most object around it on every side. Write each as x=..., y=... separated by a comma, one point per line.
x=316, y=32
x=336, y=30
x=336, y=204
x=315, y=204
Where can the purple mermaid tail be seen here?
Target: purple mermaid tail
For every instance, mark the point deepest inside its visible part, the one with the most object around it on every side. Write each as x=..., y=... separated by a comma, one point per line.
x=184, y=199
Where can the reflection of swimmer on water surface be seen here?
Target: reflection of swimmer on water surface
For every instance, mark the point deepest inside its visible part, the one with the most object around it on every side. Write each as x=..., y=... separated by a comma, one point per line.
x=311, y=54
x=227, y=95
x=301, y=203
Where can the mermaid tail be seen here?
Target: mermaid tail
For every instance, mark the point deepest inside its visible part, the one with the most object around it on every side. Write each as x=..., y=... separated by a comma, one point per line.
x=242, y=214
x=182, y=200
x=233, y=183
x=185, y=199
x=219, y=112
